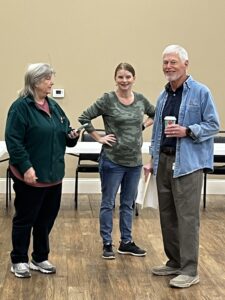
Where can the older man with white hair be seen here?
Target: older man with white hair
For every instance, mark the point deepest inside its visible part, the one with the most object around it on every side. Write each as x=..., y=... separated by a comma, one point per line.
x=180, y=151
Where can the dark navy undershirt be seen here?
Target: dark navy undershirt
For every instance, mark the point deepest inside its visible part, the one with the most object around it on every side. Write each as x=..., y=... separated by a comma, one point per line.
x=171, y=108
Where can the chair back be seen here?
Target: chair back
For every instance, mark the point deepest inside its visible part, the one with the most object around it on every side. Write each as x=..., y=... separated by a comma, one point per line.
x=219, y=167
x=86, y=137
x=220, y=138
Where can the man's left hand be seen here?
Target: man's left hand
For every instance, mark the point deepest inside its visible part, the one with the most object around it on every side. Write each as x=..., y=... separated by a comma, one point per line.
x=175, y=130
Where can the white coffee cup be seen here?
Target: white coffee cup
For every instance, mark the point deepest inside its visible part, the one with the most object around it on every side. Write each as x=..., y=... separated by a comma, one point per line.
x=169, y=120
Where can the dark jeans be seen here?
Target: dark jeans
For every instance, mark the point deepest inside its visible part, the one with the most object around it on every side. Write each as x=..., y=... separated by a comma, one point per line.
x=35, y=208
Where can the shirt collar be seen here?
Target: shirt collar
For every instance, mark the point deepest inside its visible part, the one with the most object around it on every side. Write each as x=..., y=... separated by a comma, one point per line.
x=169, y=89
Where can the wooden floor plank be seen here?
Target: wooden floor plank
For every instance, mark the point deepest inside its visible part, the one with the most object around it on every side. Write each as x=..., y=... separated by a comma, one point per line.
x=82, y=274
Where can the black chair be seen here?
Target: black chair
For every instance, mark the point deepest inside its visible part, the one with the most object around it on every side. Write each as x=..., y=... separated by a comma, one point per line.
x=87, y=162
x=219, y=164
x=8, y=188
x=8, y=184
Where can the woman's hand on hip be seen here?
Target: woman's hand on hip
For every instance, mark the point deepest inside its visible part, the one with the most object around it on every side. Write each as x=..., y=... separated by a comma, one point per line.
x=107, y=139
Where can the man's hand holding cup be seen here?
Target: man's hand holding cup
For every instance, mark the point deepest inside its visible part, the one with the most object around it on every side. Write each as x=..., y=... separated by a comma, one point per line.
x=170, y=126
x=172, y=129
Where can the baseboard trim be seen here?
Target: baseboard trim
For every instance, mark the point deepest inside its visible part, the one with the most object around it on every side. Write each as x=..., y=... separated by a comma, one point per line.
x=92, y=186
x=86, y=186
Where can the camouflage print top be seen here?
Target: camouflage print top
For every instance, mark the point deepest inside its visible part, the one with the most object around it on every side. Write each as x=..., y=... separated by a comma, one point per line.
x=125, y=122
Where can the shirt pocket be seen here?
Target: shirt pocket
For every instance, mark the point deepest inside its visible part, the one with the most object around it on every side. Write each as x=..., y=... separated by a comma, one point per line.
x=193, y=113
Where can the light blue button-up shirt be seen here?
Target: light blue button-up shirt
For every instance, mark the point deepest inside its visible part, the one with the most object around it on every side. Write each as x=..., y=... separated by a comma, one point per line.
x=198, y=112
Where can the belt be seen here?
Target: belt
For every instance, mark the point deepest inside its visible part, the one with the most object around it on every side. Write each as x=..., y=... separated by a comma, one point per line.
x=168, y=150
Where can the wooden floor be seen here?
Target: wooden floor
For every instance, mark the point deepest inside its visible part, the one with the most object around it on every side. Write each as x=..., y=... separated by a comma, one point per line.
x=76, y=250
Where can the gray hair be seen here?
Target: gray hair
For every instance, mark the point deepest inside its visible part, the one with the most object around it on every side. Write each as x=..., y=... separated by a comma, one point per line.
x=34, y=74
x=182, y=53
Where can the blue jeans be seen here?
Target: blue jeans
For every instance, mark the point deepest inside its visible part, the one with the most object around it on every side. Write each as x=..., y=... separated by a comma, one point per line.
x=112, y=177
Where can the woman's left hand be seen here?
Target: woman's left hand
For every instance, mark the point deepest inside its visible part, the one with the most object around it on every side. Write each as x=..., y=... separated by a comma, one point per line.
x=148, y=122
x=74, y=134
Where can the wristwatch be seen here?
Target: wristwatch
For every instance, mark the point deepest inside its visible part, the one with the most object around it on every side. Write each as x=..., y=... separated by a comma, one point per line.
x=190, y=133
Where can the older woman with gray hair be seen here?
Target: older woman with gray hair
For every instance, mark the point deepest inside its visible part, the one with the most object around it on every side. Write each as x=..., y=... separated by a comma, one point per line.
x=37, y=133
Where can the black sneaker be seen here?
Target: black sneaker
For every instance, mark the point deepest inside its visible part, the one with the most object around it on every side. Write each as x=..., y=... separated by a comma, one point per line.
x=108, y=252
x=130, y=248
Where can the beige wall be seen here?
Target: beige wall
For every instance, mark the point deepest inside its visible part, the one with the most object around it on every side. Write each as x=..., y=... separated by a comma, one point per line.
x=85, y=39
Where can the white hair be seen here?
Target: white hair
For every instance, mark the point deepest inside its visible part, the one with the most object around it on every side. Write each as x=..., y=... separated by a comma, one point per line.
x=178, y=50
x=34, y=74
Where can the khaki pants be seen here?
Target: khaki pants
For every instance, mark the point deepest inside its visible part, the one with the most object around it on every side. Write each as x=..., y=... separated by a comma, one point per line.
x=179, y=203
